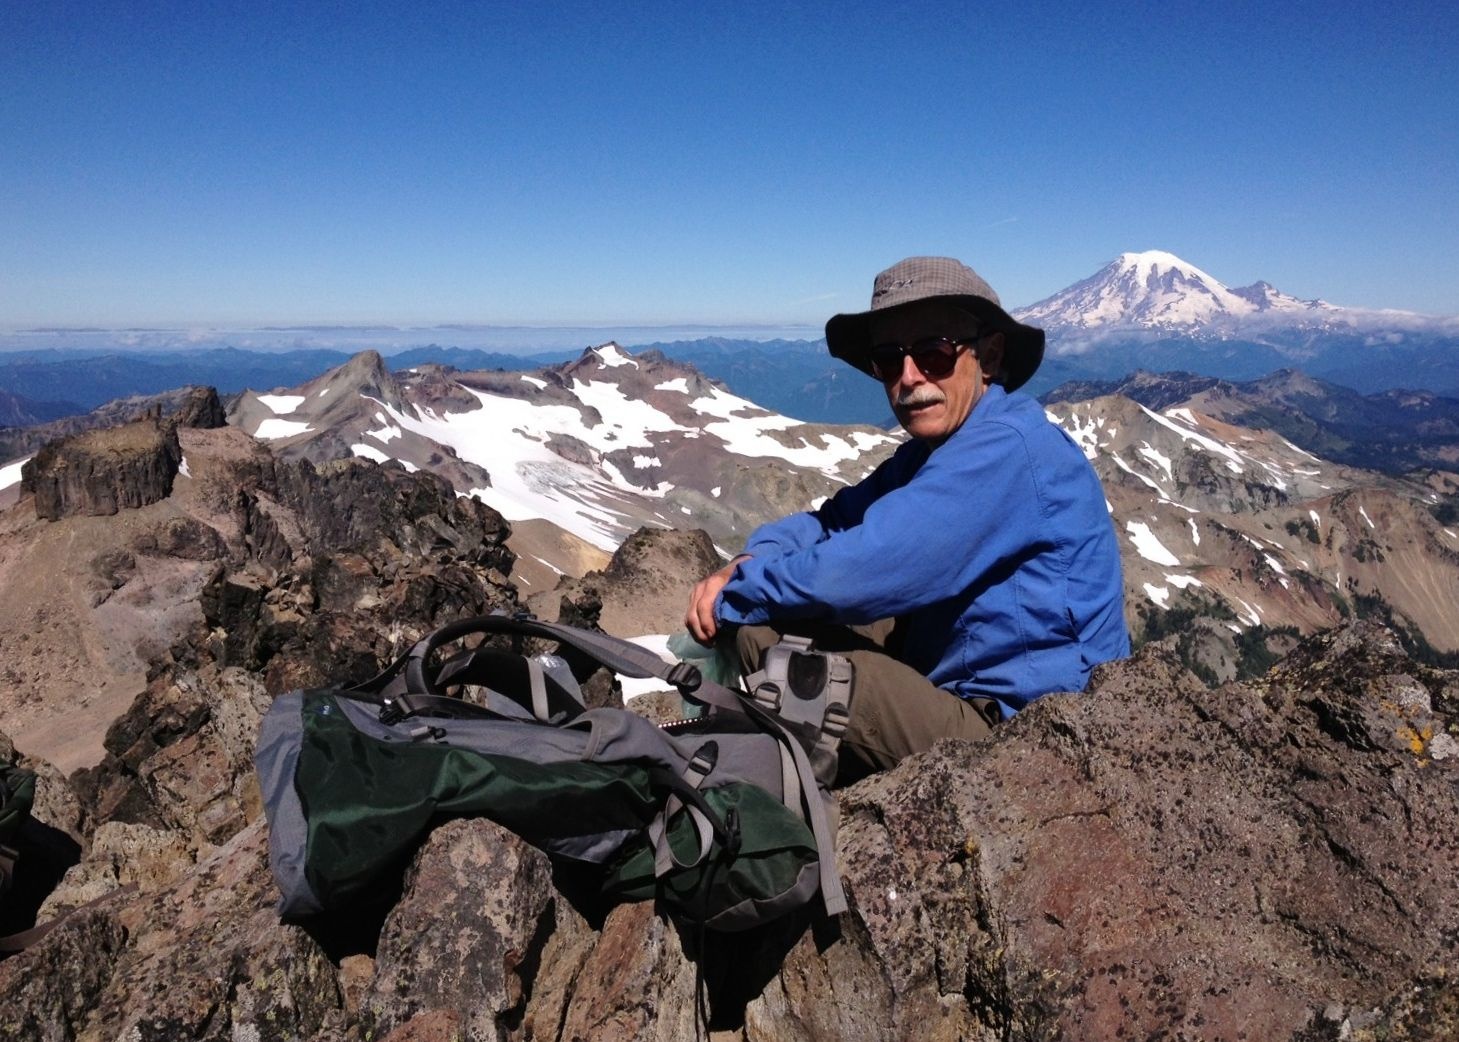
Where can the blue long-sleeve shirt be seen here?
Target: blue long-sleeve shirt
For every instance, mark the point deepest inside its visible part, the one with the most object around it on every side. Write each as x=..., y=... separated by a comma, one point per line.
x=994, y=550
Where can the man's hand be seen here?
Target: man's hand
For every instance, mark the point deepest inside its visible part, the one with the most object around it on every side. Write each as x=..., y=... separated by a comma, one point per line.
x=699, y=619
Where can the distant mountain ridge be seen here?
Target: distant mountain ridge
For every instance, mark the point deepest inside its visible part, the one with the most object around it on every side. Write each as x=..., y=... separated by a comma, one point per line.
x=595, y=448
x=1391, y=431
x=1143, y=311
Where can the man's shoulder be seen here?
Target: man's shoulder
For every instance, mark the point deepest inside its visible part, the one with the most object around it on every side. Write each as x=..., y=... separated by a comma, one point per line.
x=1001, y=413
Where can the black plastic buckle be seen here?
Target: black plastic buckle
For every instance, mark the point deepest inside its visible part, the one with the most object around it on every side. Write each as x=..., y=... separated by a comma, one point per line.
x=391, y=712
x=685, y=676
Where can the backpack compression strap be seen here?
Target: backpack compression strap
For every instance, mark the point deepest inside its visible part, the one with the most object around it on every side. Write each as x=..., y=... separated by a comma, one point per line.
x=665, y=859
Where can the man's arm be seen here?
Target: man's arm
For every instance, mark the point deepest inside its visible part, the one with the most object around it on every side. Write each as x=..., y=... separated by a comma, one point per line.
x=795, y=532
x=965, y=514
x=699, y=619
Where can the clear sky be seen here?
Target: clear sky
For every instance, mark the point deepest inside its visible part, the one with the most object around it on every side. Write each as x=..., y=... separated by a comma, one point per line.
x=599, y=163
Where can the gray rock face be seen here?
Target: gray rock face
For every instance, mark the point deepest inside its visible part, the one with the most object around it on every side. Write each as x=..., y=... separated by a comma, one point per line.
x=337, y=571
x=103, y=471
x=200, y=407
x=1275, y=860
x=477, y=909
x=644, y=589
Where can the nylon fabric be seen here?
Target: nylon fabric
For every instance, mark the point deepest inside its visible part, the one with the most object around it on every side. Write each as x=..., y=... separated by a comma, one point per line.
x=369, y=803
x=778, y=857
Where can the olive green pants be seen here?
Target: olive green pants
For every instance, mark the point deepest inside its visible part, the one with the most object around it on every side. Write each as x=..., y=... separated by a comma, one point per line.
x=895, y=711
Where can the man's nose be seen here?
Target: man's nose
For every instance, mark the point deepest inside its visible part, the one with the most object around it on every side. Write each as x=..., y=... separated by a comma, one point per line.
x=911, y=375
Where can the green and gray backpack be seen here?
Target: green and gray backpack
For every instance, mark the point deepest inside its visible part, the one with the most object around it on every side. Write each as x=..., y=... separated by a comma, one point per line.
x=721, y=818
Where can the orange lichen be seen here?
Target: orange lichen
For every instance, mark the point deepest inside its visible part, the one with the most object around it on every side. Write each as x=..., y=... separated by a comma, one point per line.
x=1417, y=737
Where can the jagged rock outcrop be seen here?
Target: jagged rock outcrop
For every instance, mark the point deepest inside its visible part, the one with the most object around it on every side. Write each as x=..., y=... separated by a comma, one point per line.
x=201, y=408
x=1273, y=860
x=337, y=570
x=182, y=407
x=103, y=471
x=644, y=589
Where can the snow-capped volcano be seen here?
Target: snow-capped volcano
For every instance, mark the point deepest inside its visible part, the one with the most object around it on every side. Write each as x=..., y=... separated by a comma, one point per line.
x=1158, y=290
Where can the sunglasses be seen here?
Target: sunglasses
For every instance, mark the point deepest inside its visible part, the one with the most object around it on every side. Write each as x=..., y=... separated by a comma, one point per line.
x=934, y=356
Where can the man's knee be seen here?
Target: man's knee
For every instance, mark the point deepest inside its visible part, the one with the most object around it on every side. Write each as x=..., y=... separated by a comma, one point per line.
x=750, y=644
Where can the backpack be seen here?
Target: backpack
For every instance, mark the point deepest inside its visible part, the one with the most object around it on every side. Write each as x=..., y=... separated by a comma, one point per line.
x=721, y=817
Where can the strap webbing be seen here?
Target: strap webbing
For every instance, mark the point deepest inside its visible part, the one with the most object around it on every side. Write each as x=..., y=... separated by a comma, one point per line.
x=539, y=690
x=700, y=764
x=19, y=942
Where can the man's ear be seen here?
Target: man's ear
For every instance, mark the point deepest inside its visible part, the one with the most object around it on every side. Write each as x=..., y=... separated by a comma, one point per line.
x=990, y=357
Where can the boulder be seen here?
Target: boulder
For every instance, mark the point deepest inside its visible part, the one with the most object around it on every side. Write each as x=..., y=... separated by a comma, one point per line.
x=200, y=408
x=644, y=589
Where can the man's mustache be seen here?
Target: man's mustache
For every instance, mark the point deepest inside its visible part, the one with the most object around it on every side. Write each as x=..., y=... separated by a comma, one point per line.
x=920, y=396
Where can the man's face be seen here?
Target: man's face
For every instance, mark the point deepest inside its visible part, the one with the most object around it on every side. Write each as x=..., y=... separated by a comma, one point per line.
x=931, y=408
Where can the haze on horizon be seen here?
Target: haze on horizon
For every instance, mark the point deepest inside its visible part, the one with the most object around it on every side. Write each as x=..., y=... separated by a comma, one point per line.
x=584, y=167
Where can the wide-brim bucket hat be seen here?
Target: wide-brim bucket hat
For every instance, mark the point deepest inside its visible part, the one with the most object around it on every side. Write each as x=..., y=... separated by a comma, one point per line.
x=924, y=278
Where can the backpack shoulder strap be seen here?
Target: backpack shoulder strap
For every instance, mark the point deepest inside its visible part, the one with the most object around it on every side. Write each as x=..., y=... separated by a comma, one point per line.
x=619, y=655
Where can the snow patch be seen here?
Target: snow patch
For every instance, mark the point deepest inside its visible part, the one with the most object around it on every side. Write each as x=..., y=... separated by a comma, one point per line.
x=680, y=384
x=626, y=421
x=181, y=469
x=1366, y=517
x=385, y=433
x=612, y=356
x=539, y=384
x=1232, y=457
x=506, y=437
x=1131, y=470
x=272, y=429
x=1159, y=594
x=1184, y=582
x=658, y=643
x=10, y=473
x=1084, y=433
x=1159, y=459
x=369, y=452
x=1148, y=546
x=281, y=404
x=747, y=435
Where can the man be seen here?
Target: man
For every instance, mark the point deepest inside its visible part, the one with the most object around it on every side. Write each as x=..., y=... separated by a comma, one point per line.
x=985, y=538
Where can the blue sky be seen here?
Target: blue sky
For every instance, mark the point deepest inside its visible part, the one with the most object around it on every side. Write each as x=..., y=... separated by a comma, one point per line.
x=595, y=163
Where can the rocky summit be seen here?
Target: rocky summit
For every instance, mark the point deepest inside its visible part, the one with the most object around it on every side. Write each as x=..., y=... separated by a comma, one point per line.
x=1274, y=859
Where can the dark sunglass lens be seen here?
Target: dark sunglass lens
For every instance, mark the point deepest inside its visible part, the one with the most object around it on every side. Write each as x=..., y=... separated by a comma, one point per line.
x=934, y=357
x=886, y=361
